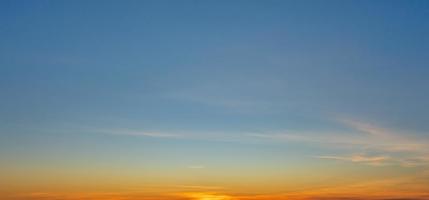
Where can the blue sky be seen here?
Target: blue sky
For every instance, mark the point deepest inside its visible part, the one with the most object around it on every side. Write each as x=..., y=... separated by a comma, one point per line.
x=192, y=74
x=215, y=62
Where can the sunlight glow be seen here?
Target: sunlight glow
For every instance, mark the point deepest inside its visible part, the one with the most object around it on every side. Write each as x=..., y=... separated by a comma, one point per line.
x=206, y=196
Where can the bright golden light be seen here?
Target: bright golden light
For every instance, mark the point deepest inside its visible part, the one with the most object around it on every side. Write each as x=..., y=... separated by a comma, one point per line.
x=206, y=196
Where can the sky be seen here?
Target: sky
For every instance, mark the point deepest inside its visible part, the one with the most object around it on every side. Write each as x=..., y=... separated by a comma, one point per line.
x=214, y=100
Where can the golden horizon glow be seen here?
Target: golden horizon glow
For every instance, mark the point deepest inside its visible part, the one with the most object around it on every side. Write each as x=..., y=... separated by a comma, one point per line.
x=214, y=100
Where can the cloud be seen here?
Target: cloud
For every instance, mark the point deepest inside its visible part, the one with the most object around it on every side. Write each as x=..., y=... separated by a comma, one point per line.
x=310, y=137
x=365, y=127
x=392, y=147
x=141, y=133
x=403, y=148
x=370, y=160
x=389, y=146
x=388, y=140
x=183, y=135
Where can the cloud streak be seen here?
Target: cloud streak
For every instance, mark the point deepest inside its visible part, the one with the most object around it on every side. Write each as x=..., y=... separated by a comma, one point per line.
x=390, y=147
x=128, y=132
x=370, y=160
x=373, y=145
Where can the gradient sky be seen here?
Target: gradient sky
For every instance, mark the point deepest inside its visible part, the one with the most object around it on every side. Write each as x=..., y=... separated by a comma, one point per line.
x=214, y=100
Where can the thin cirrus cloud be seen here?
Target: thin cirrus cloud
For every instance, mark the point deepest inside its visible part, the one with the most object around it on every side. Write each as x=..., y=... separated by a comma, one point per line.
x=370, y=160
x=128, y=132
x=184, y=135
x=384, y=146
x=401, y=148
x=373, y=145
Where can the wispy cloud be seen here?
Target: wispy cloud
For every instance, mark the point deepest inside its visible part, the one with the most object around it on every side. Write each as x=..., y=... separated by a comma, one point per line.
x=388, y=140
x=392, y=147
x=373, y=145
x=402, y=147
x=370, y=160
x=184, y=135
x=141, y=133
x=365, y=127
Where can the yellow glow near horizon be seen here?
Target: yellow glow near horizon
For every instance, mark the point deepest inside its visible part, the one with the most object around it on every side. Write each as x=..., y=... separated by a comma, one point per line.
x=206, y=196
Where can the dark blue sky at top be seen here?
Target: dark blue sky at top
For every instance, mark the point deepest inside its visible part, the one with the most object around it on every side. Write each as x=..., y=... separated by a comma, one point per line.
x=212, y=65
